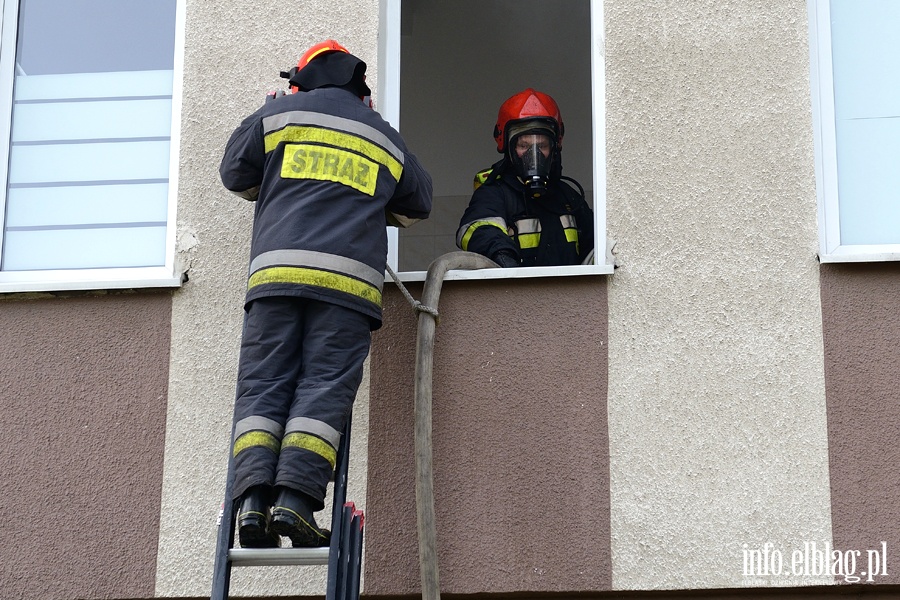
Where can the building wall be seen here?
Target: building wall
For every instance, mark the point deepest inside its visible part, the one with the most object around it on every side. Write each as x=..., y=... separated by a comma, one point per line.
x=83, y=413
x=748, y=393
x=861, y=326
x=717, y=394
x=642, y=431
x=521, y=455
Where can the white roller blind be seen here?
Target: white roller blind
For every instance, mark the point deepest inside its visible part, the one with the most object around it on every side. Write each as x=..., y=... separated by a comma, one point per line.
x=88, y=171
x=866, y=62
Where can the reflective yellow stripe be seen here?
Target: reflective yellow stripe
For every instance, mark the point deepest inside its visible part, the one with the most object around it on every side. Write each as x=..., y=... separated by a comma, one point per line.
x=301, y=275
x=464, y=244
x=347, y=141
x=256, y=439
x=529, y=240
x=570, y=227
x=305, y=161
x=320, y=429
x=318, y=260
x=316, y=119
x=309, y=442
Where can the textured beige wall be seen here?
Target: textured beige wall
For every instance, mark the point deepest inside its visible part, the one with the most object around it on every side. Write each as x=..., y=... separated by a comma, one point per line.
x=716, y=391
x=234, y=51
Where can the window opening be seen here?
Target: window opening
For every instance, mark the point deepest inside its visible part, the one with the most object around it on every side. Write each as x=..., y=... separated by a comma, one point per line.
x=448, y=89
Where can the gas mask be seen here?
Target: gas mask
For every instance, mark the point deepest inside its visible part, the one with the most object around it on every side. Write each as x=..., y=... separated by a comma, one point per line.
x=532, y=155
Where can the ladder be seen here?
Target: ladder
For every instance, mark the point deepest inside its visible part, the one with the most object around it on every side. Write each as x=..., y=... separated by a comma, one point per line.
x=343, y=556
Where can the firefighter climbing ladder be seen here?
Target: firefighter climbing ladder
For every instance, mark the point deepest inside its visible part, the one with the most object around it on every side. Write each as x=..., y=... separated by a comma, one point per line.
x=343, y=556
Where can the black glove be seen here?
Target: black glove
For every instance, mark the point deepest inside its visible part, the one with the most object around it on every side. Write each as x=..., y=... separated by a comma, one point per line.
x=506, y=259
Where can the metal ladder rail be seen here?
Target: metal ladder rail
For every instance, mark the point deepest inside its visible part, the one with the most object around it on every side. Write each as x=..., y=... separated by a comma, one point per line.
x=343, y=556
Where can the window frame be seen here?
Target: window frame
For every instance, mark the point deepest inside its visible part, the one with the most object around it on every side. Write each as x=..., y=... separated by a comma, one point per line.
x=61, y=280
x=389, y=71
x=831, y=248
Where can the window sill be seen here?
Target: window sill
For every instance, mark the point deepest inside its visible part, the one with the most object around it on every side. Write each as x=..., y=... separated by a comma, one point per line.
x=872, y=253
x=89, y=279
x=515, y=273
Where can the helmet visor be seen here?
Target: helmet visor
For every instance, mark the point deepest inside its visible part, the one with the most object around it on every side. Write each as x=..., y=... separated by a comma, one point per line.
x=532, y=155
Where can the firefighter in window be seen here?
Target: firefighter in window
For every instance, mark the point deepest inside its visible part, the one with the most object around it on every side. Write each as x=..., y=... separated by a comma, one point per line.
x=524, y=212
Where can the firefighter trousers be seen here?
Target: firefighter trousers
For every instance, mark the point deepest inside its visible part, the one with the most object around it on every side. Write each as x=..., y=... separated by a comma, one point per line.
x=301, y=364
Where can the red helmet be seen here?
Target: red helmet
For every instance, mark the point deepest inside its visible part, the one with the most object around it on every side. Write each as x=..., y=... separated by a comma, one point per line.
x=315, y=51
x=528, y=105
x=320, y=48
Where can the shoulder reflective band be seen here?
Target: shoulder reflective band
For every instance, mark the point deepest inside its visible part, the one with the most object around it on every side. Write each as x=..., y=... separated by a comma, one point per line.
x=305, y=161
x=310, y=127
x=301, y=117
x=465, y=232
x=481, y=177
x=529, y=233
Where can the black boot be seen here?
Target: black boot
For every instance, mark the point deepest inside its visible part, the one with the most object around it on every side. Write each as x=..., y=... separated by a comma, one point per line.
x=253, y=519
x=293, y=517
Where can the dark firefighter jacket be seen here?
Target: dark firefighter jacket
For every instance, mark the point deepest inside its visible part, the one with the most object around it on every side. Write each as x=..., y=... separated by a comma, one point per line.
x=327, y=173
x=555, y=229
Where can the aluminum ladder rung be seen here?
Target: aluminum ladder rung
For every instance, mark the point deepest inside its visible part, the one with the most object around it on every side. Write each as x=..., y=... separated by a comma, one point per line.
x=261, y=557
